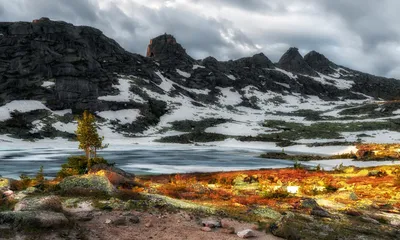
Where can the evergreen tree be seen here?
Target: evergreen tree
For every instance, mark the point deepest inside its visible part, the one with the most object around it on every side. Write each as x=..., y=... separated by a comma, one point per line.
x=89, y=139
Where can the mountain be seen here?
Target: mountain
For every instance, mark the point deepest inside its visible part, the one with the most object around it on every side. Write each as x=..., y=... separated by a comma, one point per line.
x=52, y=70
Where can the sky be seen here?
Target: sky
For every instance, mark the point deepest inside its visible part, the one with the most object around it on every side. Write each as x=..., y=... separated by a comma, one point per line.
x=360, y=34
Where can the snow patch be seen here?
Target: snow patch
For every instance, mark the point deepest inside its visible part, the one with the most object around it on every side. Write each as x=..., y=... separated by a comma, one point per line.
x=396, y=112
x=183, y=74
x=123, y=116
x=289, y=74
x=197, y=66
x=231, y=77
x=48, y=84
x=338, y=83
x=20, y=106
x=239, y=129
x=283, y=84
x=229, y=96
x=124, y=94
x=62, y=112
x=65, y=127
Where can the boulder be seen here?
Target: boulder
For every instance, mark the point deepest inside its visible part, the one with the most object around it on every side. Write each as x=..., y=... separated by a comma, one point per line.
x=33, y=219
x=91, y=183
x=247, y=233
x=117, y=176
x=320, y=212
x=48, y=203
x=211, y=223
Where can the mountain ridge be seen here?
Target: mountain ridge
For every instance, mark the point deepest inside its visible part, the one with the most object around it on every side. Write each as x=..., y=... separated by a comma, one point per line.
x=53, y=66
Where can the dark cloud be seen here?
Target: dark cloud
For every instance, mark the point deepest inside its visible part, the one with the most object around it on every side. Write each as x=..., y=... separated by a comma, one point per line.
x=361, y=34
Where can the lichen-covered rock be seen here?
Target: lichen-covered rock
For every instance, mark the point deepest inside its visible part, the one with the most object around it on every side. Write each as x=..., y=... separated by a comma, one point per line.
x=47, y=203
x=92, y=183
x=4, y=183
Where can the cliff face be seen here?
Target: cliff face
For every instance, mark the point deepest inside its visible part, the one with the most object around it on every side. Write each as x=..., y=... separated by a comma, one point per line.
x=77, y=62
x=59, y=66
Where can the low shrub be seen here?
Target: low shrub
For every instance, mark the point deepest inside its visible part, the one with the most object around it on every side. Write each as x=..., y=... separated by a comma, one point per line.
x=78, y=165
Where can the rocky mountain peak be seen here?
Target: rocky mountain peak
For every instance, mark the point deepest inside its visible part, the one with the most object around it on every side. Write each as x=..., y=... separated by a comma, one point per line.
x=166, y=47
x=292, y=61
x=42, y=19
x=319, y=62
x=260, y=60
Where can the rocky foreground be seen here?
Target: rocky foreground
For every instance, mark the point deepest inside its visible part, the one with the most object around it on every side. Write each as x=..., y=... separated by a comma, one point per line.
x=108, y=203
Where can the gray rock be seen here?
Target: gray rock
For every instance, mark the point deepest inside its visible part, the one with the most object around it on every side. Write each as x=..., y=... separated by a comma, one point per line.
x=47, y=203
x=247, y=233
x=33, y=219
x=87, y=183
x=211, y=223
x=119, y=221
x=320, y=212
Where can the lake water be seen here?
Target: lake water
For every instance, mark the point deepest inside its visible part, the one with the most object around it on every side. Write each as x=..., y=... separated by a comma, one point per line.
x=154, y=160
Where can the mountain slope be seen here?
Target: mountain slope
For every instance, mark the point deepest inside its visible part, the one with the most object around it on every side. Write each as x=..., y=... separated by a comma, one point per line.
x=52, y=70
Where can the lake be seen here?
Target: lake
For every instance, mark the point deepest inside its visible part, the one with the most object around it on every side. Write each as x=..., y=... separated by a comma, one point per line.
x=155, y=160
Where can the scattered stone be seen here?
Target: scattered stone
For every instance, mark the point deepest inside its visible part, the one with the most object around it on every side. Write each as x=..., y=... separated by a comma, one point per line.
x=120, y=221
x=211, y=223
x=308, y=203
x=108, y=221
x=248, y=233
x=133, y=219
x=225, y=223
x=320, y=212
x=9, y=194
x=206, y=229
x=84, y=216
x=149, y=224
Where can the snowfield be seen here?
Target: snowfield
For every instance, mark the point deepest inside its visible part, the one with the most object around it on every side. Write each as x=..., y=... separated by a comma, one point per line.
x=124, y=94
x=22, y=106
x=124, y=116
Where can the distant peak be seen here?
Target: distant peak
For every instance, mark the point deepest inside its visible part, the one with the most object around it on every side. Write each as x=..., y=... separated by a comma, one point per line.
x=319, y=62
x=42, y=19
x=165, y=46
x=292, y=61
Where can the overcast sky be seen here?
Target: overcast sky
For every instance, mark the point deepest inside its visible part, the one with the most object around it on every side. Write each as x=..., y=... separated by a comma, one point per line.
x=360, y=34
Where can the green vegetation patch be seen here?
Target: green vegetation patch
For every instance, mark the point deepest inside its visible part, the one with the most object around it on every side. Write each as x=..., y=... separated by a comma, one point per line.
x=194, y=137
x=190, y=125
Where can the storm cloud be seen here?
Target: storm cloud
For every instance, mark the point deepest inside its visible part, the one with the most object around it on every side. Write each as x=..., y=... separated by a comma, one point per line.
x=361, y=34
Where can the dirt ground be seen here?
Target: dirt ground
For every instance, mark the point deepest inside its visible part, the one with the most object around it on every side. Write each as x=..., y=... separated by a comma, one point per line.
x=171, y=226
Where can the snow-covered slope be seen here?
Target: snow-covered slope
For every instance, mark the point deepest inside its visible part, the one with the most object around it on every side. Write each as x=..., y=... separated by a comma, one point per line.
x=171, y=97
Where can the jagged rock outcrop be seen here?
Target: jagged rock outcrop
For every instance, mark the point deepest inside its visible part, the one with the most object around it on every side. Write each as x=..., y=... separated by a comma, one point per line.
x=64, y=65
x=292, y=61
x=166, y=49
x=320, y=63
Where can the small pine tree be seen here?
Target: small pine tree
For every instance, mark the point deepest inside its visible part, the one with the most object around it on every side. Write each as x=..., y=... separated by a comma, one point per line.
x=39, y=178
x=89, y=139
